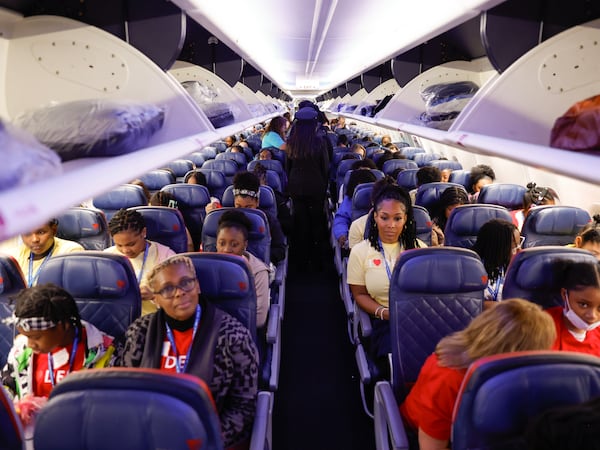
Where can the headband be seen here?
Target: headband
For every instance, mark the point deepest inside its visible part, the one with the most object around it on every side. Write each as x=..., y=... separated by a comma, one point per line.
x=246, y=192
x=30, y=323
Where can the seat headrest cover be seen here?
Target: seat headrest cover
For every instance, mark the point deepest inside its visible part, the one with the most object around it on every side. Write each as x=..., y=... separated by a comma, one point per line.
x=446, y=273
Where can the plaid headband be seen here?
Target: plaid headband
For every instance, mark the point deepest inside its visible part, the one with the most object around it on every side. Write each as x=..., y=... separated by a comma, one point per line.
x=245, y=192
x=30, y=323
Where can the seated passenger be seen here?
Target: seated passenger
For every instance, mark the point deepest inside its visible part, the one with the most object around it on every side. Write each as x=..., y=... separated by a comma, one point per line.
x=196, y=177
x=141, y=184
x=274, y=135
x=52, y=342
x=246, y=190
x=481, y=175
x=534, y=196
x=385, y=140
x=343, y=217
x=588, y=237
x=509, y=326
x=232, y=238
x=372, y=261
x=39, y=245
x=426, y=174
x=264, y=154
x=445, y=175
x=161, y=198
x=578, y=319
x=128, y=231
x=189, y=335
x=450, y=199
x=230, y=140
x=497, y=242
x=359, y=150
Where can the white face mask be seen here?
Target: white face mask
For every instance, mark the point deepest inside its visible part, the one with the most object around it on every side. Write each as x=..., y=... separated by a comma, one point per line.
x=575, y=320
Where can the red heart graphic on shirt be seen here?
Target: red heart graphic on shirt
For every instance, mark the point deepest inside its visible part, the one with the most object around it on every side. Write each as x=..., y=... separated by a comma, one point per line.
x=377, y=262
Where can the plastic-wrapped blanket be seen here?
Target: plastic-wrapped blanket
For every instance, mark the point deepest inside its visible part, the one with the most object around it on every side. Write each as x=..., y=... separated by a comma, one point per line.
x=444, y=101
x=220, y=114
x=92, y=128
x=24, y=160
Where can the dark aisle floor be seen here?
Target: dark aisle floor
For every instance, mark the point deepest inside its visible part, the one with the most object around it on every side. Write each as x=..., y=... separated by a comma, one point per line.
x=318, y=403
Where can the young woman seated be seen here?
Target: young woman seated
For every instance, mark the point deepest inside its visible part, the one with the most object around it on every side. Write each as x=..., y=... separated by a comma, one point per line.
x=588, y=237
x=508, y=326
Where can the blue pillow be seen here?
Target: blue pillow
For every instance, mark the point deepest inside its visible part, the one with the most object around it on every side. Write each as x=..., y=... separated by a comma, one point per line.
x=92, y=128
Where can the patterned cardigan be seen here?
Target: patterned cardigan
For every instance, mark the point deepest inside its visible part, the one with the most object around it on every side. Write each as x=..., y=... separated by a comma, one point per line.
x=223, y=354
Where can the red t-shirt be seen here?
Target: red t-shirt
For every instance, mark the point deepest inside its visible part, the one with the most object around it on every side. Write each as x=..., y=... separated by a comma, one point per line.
x=430, y=404
x=41, y=375
x=567, y=342
x=183, y=340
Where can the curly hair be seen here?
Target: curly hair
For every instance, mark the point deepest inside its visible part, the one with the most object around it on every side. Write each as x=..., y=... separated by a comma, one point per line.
x=48, y=301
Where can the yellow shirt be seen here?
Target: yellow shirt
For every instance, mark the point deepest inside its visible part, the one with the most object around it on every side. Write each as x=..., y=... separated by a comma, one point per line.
x=61, y=247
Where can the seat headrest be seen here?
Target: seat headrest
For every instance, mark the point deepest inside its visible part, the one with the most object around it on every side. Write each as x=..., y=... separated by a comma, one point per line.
x=451, y=270
x=553, y=225
x=11, y=278
x=226, y=166
x=124, y=196
x=508, y=195
x=123, y=408
x=189, y=195
x=465, y=221
x=165, y=225
x=155, y=179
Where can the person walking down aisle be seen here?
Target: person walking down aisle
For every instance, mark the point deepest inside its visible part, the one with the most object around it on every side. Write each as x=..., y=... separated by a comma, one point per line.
x=307, y=168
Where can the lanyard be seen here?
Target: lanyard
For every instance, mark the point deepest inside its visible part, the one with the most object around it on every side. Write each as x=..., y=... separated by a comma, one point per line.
x=497, y=284
x=387, y=266
x=33, y=278
x=71, y=358
x=174, y=348
x=139, y=277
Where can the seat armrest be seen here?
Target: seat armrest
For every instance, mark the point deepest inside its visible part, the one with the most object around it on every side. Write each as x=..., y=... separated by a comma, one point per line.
x=261, y=438
x=389, y=428
x=273, y=324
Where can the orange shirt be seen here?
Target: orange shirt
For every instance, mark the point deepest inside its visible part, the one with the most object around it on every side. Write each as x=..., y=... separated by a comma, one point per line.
x=430, y=404
x=566, y=341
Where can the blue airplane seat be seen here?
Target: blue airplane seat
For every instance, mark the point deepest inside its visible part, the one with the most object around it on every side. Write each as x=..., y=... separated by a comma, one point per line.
x=164, y=225
x=466, y=220
x=553, y=225
x=229, y=168
x=209, y=152
x=11, y=430
x=393, y=164
x=220, y=146
x=156, y=179
x=407, y=179
x=423, y=224
x=434, y=292
x=129, y=408
x=361, y=200
x=191, y=201
x=238, y=158
x=529, y=274
x=462, y=177
x=372, y=149
x=278, y=155
x=266, y=200
x=410, y=152
x=340, y=172
x=198, y=158
x=429, y=193
x=423, y=158
x=504, y=194
x=274, y=181
x=379, y=175
x=216, y=182
x=502, y=393
x=271, y=164
x=180, y=167
x=259, y=240
x=87, y=226
x=445, y=164
x=339, y=154
x=103, y=285
x=248, y=153
x=11, y=283
x=124, y=196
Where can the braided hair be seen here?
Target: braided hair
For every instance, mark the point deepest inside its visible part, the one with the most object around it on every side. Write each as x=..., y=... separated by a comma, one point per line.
x=50, y=302
x=538, y=195
x=387, y=189
x=494, y=246
x=126, y=220
x=591, y=231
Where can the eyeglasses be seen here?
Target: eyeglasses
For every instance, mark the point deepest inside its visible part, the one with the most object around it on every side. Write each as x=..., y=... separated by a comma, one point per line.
x=186, y=285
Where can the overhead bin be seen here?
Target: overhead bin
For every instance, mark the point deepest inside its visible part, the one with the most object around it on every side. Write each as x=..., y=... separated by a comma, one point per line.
x=51, y=59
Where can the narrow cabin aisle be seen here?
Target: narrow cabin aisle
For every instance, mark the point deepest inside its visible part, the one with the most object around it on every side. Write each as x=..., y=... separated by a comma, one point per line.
x=317, y=405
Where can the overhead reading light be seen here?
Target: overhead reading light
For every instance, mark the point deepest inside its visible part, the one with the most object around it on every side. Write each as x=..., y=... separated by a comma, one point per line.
x=326, y=42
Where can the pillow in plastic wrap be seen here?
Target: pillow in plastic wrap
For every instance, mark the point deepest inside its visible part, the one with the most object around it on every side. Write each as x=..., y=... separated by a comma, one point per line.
x=445, y=98
x=219, y=113
x=437, y=121
x=93, y=128
x=24, y=160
